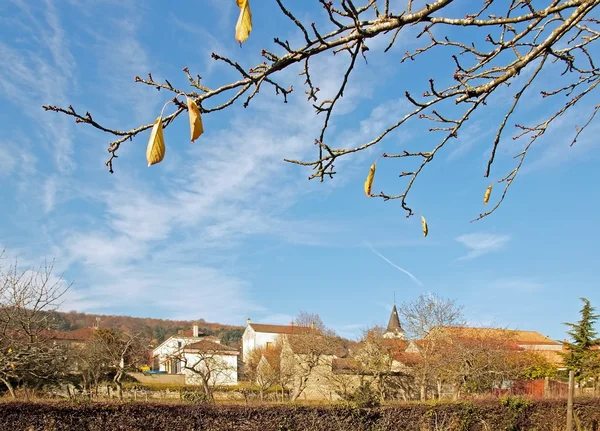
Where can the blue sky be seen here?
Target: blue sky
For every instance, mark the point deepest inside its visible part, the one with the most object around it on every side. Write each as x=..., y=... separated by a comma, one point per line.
x=223, y=229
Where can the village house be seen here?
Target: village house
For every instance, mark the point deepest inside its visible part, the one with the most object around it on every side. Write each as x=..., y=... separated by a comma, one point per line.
x=305, y=353
x=188, y=350
x=258, y=335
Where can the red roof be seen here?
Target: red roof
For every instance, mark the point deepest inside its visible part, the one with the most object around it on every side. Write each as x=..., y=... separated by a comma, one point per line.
x=190, y=333
x=210, y=346
x=395, y=344
x=407, y=358
x=517, y=336
x=83, y=334
x=280, y=329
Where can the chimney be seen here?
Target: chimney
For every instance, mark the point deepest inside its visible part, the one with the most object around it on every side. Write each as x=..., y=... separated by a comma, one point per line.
x=248, y=321
x=312, y=325
x=195, y=331
x=97, y=322
x=292, y=324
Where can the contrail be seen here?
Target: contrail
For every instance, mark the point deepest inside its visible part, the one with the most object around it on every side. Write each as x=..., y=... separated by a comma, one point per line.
x=415, y=279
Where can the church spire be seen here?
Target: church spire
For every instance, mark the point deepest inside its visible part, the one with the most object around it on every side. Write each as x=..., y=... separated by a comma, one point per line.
x=394, y=329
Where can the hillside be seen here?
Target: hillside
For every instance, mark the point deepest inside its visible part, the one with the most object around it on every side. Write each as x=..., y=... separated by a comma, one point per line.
x=155, y=329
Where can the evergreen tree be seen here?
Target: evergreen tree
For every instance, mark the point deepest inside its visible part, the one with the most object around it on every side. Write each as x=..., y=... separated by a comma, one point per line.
x=580, y=355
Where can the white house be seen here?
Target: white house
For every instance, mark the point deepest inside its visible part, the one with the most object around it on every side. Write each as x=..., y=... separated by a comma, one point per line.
x=204, y=353
x=258, y=335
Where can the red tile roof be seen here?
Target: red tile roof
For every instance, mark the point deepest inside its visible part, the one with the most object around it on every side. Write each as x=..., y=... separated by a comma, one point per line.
x=280, y=329
x=83, y=334
x=210, y=346
x=395, y=344
x=519, y=337
x=190, y=333
x=407, y=358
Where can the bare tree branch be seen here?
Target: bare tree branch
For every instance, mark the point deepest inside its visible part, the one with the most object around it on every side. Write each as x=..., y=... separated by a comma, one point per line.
x=523, y=38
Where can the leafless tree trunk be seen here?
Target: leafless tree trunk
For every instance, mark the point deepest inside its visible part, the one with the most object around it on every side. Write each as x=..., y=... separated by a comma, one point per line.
x=9, y=386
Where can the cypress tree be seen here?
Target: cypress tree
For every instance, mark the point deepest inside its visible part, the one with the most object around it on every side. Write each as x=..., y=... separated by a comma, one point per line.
x=580, y=355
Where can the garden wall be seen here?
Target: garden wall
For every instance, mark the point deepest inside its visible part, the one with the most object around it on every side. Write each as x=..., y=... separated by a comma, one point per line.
x=481, y=416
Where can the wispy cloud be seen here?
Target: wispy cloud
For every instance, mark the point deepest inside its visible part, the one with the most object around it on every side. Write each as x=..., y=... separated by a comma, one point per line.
x=479, y=244
x=216, y=196
x=413, y=278
x=26, y=76
x=276, y=319
x=518, y=284
x=8, y=159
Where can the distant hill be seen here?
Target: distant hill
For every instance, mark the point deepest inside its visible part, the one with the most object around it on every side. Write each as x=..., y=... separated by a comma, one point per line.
x=156, y=329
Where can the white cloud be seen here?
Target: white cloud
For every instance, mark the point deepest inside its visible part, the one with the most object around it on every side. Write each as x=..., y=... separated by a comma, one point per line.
x=38, y=68
x=174, y=233
x=8, y=160
x=479, y=244
x=518, y=284
x=175, y=237
x=49, y=193
x=188, y=293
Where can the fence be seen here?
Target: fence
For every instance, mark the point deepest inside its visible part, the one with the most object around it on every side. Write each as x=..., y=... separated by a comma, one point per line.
x=540, y=388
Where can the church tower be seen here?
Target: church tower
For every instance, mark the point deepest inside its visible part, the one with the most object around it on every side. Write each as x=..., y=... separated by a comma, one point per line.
x=394, y=330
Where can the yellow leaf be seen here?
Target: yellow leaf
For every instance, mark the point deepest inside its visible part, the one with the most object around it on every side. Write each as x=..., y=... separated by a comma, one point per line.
x=486, y=196
x=155, y=152
x=369, y=181
x=196, y=128
x=244, y=22
x=11, y=365
x=424, y=225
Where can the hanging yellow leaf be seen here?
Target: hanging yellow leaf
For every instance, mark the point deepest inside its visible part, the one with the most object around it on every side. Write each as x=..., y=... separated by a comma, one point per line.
x=155, y=152
x=486, y=196
x=196, y=128
x=244, y=22
x=11, y=365
x=424, y=225
x=369, y=181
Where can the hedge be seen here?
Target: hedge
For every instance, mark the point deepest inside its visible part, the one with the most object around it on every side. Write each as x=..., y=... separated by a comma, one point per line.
x=543, y=415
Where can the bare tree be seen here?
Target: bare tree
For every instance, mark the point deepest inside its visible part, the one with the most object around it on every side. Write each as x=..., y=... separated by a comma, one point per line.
x=112, y=352
x=375, y=357
x=427, y=312
x=378, y=357
x=343, y=382
x=519, y=42
x=312, y=320
x=263, y=368
x=308, y=354
x=420, y=318
x=477, y=360
x=204, y=361
x=27, y=355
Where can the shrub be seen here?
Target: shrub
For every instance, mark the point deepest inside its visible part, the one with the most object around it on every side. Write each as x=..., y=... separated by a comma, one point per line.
x=543, y=415
x=516, y=406
x=363, y=397
x=195, y=396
